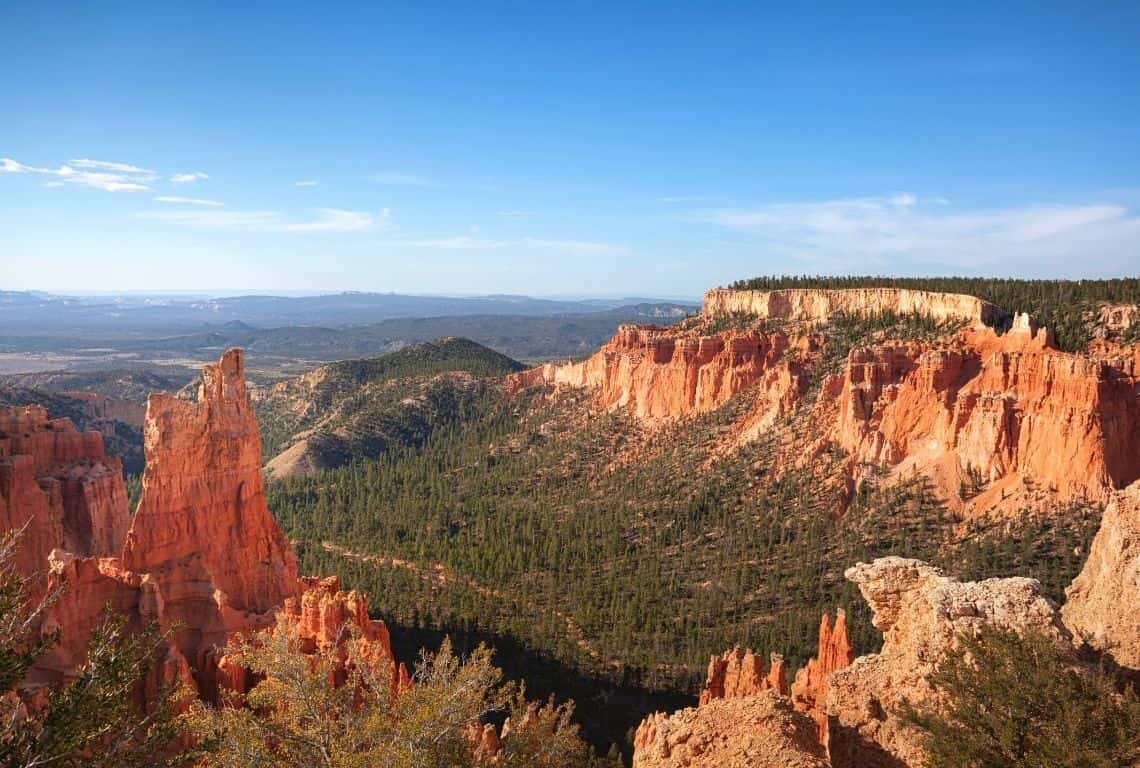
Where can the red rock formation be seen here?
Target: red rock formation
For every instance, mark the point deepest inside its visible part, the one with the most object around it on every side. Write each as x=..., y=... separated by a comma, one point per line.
x=921, y=613
x=1009, y=411
x=818, y=305
x=202, y=551
x=739, y=673
x=203, y=504
x=203, y=531
x=662, y=374
x=809, y=691
x=59, y=483
x=760, y=731
x=324, y=618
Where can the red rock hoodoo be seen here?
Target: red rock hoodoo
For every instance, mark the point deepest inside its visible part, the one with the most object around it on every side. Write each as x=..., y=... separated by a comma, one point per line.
x=809, y=691
x=739, y=673
x=202, y=550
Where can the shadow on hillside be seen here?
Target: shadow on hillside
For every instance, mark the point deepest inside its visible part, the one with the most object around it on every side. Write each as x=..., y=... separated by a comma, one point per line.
x=608, y=713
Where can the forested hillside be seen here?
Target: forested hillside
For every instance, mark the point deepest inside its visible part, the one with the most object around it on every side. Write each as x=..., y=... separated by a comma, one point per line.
x=357, y=409
x=630, y=554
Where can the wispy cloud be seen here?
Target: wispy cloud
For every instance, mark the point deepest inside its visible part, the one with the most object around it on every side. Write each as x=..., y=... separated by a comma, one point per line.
x=399, y=178
x=188, y=200
x=97, y=174
x=514, y=214
x=460, y=243
x=325, y=220
x=305, y=183
x=902, y=227
x=337, y=220
x=187, y=178
x=104, y=165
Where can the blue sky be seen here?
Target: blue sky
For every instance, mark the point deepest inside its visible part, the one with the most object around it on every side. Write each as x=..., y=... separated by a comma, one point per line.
x=608, y=149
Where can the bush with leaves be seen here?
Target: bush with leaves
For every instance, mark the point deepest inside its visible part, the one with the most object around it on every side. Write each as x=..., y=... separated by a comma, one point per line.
x=297, y=716
x=96, y=721
x=1014, y=699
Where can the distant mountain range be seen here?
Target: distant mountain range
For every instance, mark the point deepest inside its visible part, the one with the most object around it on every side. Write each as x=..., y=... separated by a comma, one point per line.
x=38, y=310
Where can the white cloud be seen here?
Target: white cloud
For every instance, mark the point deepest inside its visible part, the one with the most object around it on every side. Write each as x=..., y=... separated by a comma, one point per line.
x=187, y=178
x=188, y=200
x=514, y=214
x=399, y=178
x=577, y=247
x=104, y=165
x=336, y=220
x=97, y=174
x=902, y=229
x=305, y=183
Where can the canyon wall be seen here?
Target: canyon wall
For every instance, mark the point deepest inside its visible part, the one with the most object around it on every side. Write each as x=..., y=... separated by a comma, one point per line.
x=1100, y=603
x=819, y=305
x=995, y=412
x=661, y=374
x=59, y=483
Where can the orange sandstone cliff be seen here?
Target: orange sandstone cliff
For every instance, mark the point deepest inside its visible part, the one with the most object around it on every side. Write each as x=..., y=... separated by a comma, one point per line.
x=990, y=418
x=819, y=305
x=202, y=551
x=58, y=483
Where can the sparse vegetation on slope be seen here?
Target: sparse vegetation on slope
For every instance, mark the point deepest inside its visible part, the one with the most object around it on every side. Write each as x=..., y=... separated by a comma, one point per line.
x=357, y=409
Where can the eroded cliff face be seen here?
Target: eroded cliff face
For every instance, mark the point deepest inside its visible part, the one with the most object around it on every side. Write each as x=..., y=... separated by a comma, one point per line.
x=758, y=731
x=325, y=617
x=819, y=305
x=58, y=483
x=1100, y=606
x=920, y=612
x=202, y=551
x=660, y=373
x=997, y=413
x=996, y=421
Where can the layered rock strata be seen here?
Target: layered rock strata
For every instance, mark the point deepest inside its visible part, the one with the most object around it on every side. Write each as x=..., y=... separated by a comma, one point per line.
x=1100, y=603
x=819, y=305
x=660, y=374
x=992, y=414
x=920, y=612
